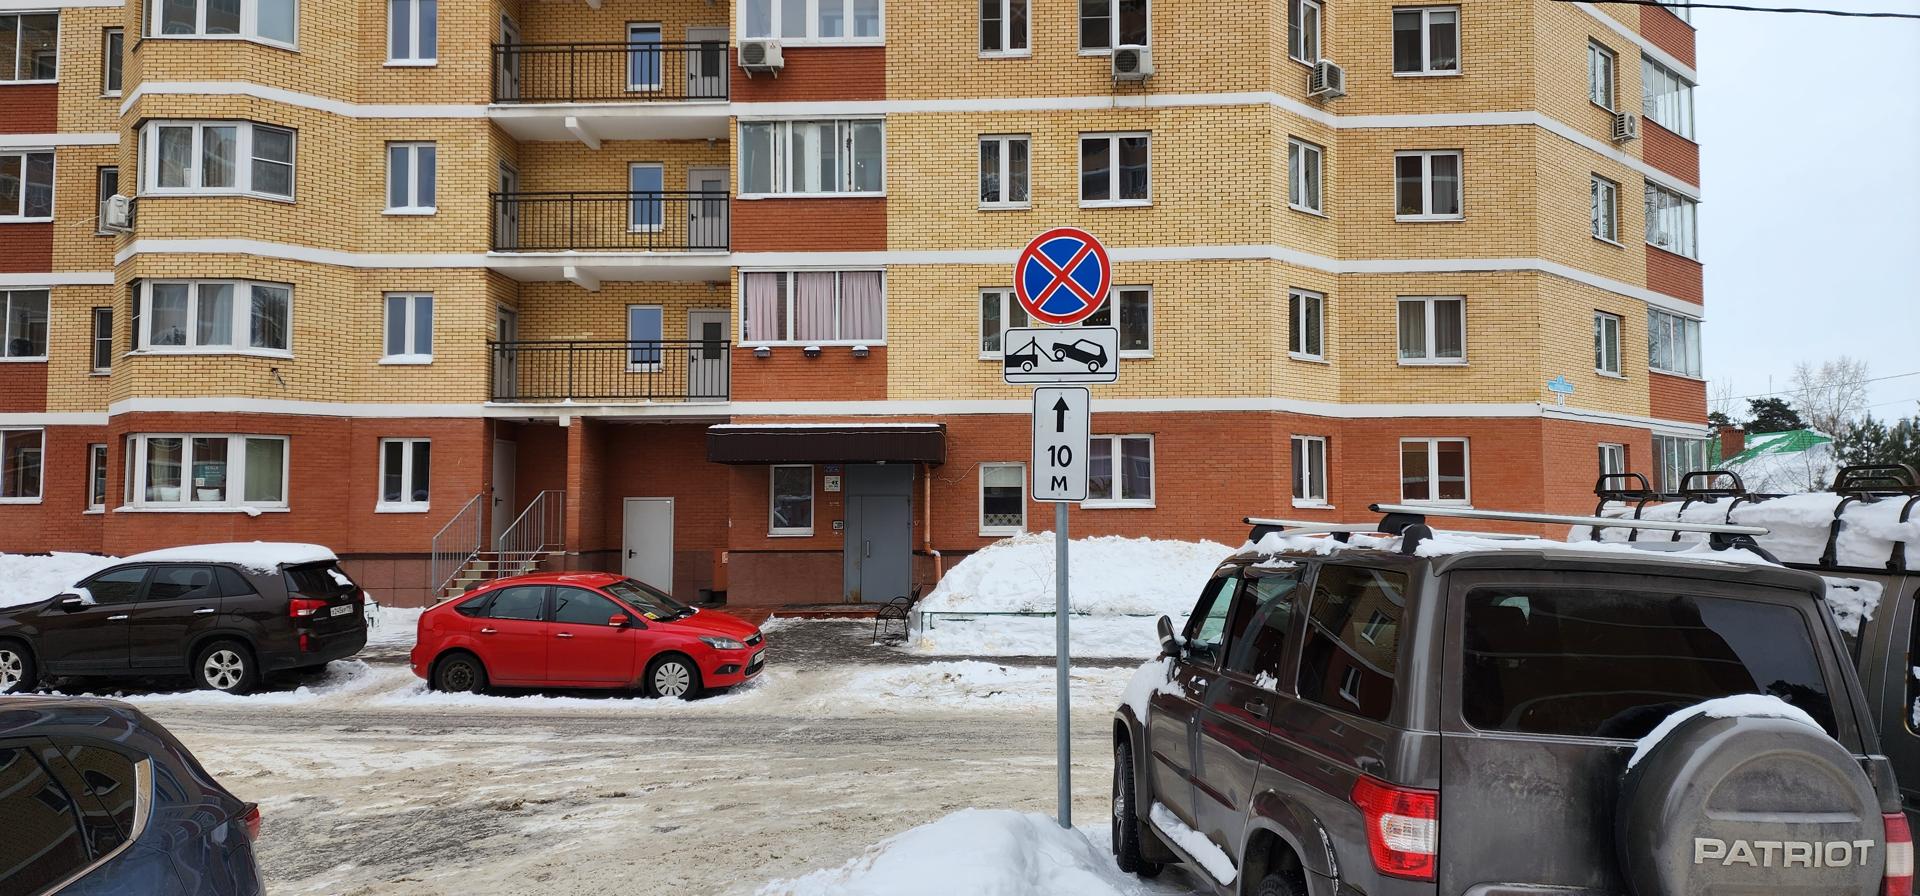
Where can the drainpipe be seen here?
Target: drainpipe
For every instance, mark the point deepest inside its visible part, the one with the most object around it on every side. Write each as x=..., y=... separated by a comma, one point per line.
x=926, y=528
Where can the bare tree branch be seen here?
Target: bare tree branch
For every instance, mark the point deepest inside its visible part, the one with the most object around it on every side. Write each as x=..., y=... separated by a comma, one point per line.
x=1831, y=396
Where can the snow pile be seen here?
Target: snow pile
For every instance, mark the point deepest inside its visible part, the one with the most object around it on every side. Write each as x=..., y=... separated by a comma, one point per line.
x=1784, y=463
x=1797, y=526
x=1089, y=637
x=392, y=626
x=974, y=852
x=1194, y=843
x=1109, y=576
x=1852, y=602
x=31, y=578
x=1752, y=706
x=259, y=556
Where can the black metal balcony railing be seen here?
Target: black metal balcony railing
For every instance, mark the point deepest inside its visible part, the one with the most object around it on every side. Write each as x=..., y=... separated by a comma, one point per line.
x=649, y=72
x=610, y=222
x=663, y=370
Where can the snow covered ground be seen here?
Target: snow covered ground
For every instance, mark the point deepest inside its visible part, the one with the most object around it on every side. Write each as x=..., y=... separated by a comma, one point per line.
x=1089, y=637
x=30, y=578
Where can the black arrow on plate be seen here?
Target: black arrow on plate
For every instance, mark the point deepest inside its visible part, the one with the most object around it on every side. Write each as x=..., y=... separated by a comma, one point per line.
x=1060, y=415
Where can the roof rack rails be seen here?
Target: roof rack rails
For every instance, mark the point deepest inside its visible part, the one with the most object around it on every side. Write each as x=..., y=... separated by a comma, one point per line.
x=1877, y=480
x=1262, y=526
x=1403, y=517
x=1689, y=490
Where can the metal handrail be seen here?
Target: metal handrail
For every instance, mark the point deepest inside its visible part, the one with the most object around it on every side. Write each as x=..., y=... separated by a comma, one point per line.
x=611, y=71
x=464, y=537
x=649, y=370
x=611, y=220
x=540, y=529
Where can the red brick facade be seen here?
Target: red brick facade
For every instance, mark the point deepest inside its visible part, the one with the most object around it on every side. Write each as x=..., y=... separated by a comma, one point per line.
x=818, y=224
x=1675, y=275
x=816, y=73
x=29, y=108
x=787, y=374
x=28, y=248
x=1678, y=397
x=1670, y=152
x=1667, y=32
x=23, y=387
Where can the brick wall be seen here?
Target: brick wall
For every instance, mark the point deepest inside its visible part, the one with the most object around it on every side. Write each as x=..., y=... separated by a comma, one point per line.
x=23, y=387
x=1670, y=152
x=1675, y=275
x=29, y=108
x=815, y=73
x=825, y=223
x=789, y=375
x=59, y=522
x=1667, y=32
x=29, y=247
x=1678, y=398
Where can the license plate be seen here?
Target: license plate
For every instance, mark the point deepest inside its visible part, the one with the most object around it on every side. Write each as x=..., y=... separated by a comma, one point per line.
x=343, y=609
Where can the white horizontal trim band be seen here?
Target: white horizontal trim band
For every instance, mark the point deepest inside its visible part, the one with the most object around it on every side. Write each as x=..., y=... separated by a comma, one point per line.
x=55, y=418
x=1646, y=46
x=290, y=252
x=305, y=100
x=37, y=5
x=48, y=141
x=62, y=278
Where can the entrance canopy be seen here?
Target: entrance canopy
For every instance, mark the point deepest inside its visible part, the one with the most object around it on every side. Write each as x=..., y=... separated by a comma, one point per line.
x=827, y=443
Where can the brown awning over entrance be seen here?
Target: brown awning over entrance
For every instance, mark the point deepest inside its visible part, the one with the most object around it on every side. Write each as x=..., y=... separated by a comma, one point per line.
x=827, y=443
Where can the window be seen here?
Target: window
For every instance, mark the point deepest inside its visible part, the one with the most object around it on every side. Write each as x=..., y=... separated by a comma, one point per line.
x=1004, y=161
x=106, y=184
x=1671, y=222
x=646, y=327
x=113, y=42
x=102, y=342
x=1426, y=41
x=410, y=178
x=1600, y=76
x=643, y=56
x=1606, y=209
x=195, y=470
x=1309, y=470
x=270, y=21
x=186, y=157
x=1207, y=628
x=1606, y=342
x=1434, y=471
x=406, y=467
x=181, y=583
x=1105, y=24
x=1666, y=98
x=1306, y=325
x=1303, y=175
x=791, y=501
x=214, y=315
x=1676, y=457
x=1003, y=499
x=1532, y=658
x=813, y=20
x=811, y=157
x=25, y=327
x=413, y=32
x=409, y=328
x=117, y=586
x=812, y=307
x=1613, y=459
x=1303, y=30
x=21, y=452
x=1000, y=310
x=1114, y=170
x=1259, y=644
x=1427, y=186
x=96, y=477
x=44, y=845
x=29, y=46
x=1433, y=330
x=1125, y=483
x=1003, y=27
x=646, y=208
x=578, y=606
x=521, y=603
x=1340, y=665
x=1673, y=343
x=111, y=778
x=26, y=185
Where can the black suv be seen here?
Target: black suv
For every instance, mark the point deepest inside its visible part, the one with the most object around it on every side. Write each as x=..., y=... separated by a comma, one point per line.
x=1411, y=714
x=224, y=624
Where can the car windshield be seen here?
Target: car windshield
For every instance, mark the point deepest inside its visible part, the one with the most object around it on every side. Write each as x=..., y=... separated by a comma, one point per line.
x=651, y=602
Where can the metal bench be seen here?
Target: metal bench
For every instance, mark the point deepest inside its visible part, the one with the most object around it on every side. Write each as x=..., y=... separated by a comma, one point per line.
x=894, y=611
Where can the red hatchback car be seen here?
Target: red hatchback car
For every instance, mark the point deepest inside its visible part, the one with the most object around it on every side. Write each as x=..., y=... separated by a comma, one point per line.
x=583, y=630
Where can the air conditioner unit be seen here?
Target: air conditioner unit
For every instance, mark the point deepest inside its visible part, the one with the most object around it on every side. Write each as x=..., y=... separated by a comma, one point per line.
x=116, y=213
x=761, y=56
x=1328, y=81
x=1626, y=126
x=1132, y=62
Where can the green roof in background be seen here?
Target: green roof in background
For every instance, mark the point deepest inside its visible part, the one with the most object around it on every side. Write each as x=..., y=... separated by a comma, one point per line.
x=1793, y=441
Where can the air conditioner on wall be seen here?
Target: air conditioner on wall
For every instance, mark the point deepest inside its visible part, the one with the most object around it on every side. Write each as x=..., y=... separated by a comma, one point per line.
x=761, y=56
x=116, y=213
x=1132, y=62
x=1327, y=81
x=1626, y=126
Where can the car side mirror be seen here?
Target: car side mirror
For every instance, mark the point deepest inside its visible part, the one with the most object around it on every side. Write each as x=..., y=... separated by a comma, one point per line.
x=1169, y=642
x=622, y=620
x=71, y=602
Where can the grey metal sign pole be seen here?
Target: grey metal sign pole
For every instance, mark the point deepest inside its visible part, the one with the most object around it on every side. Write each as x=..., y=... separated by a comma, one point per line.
x=1063, y=719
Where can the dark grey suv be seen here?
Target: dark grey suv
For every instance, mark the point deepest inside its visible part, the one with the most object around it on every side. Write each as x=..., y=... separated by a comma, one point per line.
x=1408, y=714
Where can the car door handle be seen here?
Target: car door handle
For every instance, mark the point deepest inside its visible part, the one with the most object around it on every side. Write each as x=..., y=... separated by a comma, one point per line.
x=206, y=611
x=120, y=618
x=1257, y=707
x=564, y=635
x=487, y=631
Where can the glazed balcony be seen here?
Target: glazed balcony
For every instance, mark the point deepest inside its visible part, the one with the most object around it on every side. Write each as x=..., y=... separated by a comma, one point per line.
x=635, y=90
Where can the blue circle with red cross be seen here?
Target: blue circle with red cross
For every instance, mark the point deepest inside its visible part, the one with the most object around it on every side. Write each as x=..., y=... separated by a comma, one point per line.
x=1062, y=277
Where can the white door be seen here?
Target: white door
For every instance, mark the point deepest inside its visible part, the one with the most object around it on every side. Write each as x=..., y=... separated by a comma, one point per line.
x=508, y=90
x=647, y=530
x=707, y=208
x=505, y=507
x=506, y=359
x=707, y=65
x=506, y=211
x=707, y=357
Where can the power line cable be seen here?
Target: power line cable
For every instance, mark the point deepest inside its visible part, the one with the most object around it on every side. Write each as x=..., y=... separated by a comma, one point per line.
x=1891, y=376
x=1800, y=10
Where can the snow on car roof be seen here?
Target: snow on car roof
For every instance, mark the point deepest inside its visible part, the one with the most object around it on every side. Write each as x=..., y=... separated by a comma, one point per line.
x=1798, y=525
x=259, y=556
x=1448, y=543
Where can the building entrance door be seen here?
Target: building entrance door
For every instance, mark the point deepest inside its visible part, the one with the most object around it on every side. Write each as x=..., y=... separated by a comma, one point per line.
x=647, y=530
x=506, y=463
x=877, y=561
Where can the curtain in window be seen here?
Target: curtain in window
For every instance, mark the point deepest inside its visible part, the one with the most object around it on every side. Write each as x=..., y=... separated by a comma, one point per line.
x=1449, y=329
x=756, y=158
x=765, y=307
x=163, y=469
x=1100, y=470
x=213, y=317
x=271, y=305
x=1446, y=184
x=217, y=154
x=1443, y=44
x=1136, y=469
x=266, y=465
x=1413, y=330
x=862, y=306
x=813, y=306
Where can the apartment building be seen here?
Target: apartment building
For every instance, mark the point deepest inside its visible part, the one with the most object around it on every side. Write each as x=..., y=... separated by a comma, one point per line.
x=714, y=294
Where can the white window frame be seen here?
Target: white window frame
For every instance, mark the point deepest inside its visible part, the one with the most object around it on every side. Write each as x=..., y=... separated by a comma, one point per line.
x=658, y=62
x=40, y=488
x=410, y=154
x=96, y=471
x=1654, y=77
x=1298, y=173
x=1001, y=531
x=234, y=500
x=249, y=25
x=18, y=214
x=1612, y=458
x=1674, y=457
x=410, y=332
x=406, y=504
x=1606, y=354
x=1433, y=471
x=241, y=327
x=1431, y=357
x=1319, y=30
x=108, y=37
x=659, y=356
x=99, y=336
x=101, y=194
x=59, y=44
x=414, y=57
x=1603, y=76
x=1376, y=622
x=1113, y=139
x=812, y=25
x=782, y=154
x=1009, y=305
x=657, y=205
x=1426, y=69
x=1296, y=324
x=242, y=163
x=6, y=324
x=813, y=502
x=1683, y=332
x=1302, y=490
x=793, y=281
x=1007, y=34
x=1005, y=143
x=1112, y=499
x=1426, y=157
x=1605, y=207
x=1685, y=209
x=1113, y=29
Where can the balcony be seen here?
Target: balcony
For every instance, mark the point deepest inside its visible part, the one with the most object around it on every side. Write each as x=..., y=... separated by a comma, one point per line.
x=610, y=221
x=647, y=90
x=610, y=372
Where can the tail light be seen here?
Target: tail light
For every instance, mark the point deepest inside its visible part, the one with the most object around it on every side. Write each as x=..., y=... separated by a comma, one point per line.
x=1403, y=828
x=303, y=607
x=251, y=818
x=306, y=643
x=1899, y=857
x=359, y=598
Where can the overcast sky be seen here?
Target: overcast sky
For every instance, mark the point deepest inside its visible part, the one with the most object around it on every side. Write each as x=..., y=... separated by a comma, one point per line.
x=1810, y=221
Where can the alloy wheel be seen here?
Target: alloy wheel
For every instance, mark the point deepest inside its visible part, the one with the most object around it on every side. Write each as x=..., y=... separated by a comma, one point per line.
x=223, y=669
x=672, y=679
x=13, y=669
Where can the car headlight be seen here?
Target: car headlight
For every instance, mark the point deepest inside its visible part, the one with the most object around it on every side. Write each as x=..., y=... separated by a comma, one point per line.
x=718, y=643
